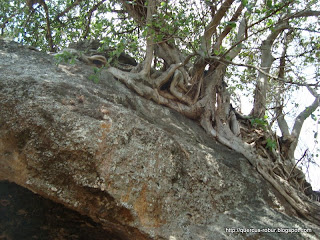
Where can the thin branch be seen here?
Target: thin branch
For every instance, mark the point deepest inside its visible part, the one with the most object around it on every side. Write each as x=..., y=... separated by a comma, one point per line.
x=31, y=12
x=64, y=12
x=304, y=13
x=262, y=71
x=288, y=56
x=305, y=114
x=3, y=25
x=255, y=23
x=49, y=33
x=127, y=31
x=302, y=157
x=137, y=10
x=94, y=8
x=305, y=29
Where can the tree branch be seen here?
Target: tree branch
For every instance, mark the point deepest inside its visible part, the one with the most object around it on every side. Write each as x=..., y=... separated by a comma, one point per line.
x=49, y=33
x=89, y=14
x=255, y=23
x=137, y=10
x=240, y=36
x=211, y=28
x=282, y=123
x=264, y=72
x=305, y=113
x=304, y=13
x=227, y=30
x=5, y=21
x=296, y=130
x=150, y=44
x=64, y=12
x=260, y=94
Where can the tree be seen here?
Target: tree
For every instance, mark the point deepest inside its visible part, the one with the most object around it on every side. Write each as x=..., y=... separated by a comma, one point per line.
x=194, y=56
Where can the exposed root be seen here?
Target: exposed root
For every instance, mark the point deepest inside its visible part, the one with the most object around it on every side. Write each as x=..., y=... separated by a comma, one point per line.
x=215, y=114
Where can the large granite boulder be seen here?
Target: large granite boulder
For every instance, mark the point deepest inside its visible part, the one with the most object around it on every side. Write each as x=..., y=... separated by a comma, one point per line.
x=140, y=170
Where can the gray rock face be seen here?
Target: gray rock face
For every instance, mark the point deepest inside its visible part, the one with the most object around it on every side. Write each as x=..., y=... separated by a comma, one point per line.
x=141, y=170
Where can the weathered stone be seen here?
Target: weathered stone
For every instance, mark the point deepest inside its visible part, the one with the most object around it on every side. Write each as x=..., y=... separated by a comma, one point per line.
x=135, y=167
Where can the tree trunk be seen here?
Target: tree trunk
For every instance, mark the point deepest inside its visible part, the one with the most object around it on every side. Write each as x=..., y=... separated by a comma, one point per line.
x=260, y=94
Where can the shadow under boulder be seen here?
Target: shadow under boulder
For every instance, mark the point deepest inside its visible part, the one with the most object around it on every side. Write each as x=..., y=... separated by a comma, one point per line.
x=25, y=215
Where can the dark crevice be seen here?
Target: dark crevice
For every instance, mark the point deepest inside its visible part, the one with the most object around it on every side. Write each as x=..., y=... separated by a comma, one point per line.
x=25, y=215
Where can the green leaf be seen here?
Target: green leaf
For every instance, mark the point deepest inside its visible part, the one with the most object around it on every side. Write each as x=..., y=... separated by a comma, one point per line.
x=271, y=144
x=269, y=22
x=258, y=122
x=244, y=2
x=228, y=58
x=313, y=117
x=232, y=24
x=216, y=52
x=94, y=78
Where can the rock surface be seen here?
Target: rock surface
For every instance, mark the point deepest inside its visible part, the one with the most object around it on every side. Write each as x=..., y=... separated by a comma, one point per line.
x=140, y=170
